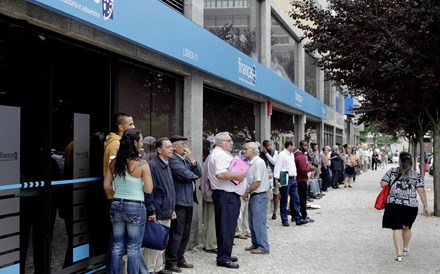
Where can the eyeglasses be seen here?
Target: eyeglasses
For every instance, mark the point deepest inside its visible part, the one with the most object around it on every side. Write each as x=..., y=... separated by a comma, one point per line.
x=246, y=148
x=181, y=144
x=228, y=140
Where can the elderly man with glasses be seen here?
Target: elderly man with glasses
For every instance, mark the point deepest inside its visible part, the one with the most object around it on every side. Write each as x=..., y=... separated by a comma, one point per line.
x=256, y=193
x=226, y=197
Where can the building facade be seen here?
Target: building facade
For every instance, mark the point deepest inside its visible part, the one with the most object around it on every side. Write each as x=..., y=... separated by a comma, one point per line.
x=67, y=66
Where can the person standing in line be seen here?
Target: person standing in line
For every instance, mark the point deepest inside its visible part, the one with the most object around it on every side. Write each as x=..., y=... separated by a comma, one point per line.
x=256, y=193
x=209, y=238
x=226, y=197
x=336, y=166
x=161, y=202
x=325, y=167
x=149, y=151
x=242, y=231
x=286, y=163
x=302, y=169
x=122, y=121
x=374, y=159
x=129, y=175
x=350, y=163
x=186, y=171
x=269, y=156
x=402, y=204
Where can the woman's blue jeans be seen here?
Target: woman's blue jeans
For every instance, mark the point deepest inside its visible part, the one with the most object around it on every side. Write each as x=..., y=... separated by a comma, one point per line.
x=128, y=222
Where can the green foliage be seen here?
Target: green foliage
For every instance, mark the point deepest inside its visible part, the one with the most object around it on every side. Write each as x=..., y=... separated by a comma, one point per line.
x=241, y=39
x=385, y=51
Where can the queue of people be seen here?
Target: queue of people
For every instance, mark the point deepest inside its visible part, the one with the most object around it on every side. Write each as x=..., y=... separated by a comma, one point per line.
x=161, y=187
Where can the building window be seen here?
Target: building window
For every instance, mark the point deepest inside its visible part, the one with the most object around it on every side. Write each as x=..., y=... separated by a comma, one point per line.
x=283, y=50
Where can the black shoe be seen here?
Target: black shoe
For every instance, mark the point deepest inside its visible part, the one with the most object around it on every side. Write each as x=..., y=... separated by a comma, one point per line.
x=173, y=268
x=165, y=271
x=301, y=222
x=228, y=264
x=274, y=216
x=234, y=259
x=286, y=224
x=308, y=220
x=214, y=251
x=185, y=265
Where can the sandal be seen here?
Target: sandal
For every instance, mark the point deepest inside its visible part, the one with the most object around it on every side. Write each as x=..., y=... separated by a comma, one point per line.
x=405, y=251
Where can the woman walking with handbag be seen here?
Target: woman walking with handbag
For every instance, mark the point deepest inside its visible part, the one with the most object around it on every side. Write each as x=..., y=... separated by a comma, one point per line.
x=402, y=205
x=129, y=175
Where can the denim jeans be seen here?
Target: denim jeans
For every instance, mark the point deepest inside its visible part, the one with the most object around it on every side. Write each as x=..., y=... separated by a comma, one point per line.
x=128, y=222
x=257, y=220
x=290, y=190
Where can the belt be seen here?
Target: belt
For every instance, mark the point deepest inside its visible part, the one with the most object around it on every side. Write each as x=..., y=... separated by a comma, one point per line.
x=293, y=177
x=257, y=193
x=121, y=200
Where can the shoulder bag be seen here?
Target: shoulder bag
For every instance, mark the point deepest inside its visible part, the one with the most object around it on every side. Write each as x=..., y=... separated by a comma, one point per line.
x=381, y=199
x=155, y=235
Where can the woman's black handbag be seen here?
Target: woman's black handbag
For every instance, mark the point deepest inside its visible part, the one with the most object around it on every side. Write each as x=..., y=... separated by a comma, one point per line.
x=155, y=235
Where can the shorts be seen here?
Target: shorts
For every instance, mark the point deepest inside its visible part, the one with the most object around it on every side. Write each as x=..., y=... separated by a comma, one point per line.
x=397, y=216
x=276, y=190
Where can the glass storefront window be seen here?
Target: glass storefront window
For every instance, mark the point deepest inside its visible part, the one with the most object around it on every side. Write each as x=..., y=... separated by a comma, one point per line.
x=328, y=136
x=231, y=21
x=283, y=51
x=223, y=112
x=153, y=98
x=282, y=128
x=311, y=132
x=310, y=75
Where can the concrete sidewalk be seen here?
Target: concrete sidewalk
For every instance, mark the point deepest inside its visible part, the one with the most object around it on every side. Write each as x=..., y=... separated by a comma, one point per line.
x=346, y=237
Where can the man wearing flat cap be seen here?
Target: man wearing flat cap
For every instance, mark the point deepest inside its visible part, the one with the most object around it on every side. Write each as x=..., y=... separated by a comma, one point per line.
x=185, y=171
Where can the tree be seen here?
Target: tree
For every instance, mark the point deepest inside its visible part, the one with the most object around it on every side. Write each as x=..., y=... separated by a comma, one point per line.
x=385, y=51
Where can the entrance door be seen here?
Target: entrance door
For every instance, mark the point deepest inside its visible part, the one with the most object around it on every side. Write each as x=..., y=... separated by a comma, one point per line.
x=53, y=212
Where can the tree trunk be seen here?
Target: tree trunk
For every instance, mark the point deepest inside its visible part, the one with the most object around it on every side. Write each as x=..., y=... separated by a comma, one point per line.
x=422, y=158
x=436, y=163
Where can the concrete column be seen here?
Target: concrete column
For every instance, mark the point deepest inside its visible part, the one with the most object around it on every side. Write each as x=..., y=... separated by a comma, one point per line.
x=300, y=66
x=262, y=123
x=193, y=129
x=193, y=9
x=300, y=122
x=265, y=34
x=320, y=135
x=320, y=84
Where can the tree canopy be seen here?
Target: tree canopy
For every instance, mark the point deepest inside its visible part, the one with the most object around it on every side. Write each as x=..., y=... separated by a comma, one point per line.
x=386, y=52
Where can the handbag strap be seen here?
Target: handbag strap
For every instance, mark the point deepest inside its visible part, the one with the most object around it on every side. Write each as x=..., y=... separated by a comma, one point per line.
x=395, y=179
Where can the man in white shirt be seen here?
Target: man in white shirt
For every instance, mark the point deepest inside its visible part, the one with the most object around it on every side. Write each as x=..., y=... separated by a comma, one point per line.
x=226, y=197
x=286, y=163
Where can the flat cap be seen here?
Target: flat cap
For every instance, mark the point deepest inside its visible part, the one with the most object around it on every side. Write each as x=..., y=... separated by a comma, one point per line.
x=149, y=140
x=177, y=137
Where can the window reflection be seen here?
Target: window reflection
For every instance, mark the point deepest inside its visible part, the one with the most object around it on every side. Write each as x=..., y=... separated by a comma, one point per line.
x=282, y=128
x=153, y=99
x=283, y=51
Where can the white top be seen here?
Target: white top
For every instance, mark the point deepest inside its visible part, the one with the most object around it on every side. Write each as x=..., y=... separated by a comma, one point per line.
x=219, y=162
x=272, y=159
x=285, y=162
x=258, y=172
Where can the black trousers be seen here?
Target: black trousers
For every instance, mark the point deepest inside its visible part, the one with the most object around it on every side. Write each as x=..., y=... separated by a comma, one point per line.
x=302, y=192
x=180, y=231
x=335, y=178
x=227, y=209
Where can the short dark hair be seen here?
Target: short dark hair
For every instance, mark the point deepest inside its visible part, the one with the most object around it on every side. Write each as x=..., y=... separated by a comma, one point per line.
x=303, y=142
x=266, y=142
x=118, y=119
x=159, y=142
x=288, y=143
x=313, y=144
